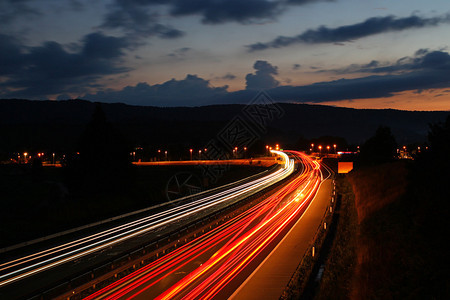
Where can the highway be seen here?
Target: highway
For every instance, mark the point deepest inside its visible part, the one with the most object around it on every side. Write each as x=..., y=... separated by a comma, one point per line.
x=28, y=266
x=214, y=265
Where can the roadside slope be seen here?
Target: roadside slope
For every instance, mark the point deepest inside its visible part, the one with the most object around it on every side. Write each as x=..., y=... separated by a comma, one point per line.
x=399, y=236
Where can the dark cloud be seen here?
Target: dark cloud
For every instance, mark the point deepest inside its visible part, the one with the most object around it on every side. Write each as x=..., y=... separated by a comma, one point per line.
x=302, y=2
x=215, y=11
x=229, y=76
x=76, y=5
x=427, y=70
x=222, y=11
x=35, y=72
x=135, y=17
x=180, y=53
x=358, y=68
x=347, y=33
x=133, y=13
x=10, y=10
x=97, y=45
x=190, y=91
x=430, y=71
x=10, y=54
x=422, y=51
x=263, y=78
x=166, y=32
x=422, y=59
x=296, y=66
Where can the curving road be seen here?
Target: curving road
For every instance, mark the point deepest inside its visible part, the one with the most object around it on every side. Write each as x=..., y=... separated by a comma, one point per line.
x=66, y=254
x=214, y=265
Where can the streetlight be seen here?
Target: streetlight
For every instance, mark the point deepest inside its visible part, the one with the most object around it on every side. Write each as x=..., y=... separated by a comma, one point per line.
x=320, y=149
x=165, y=154
x=328, y=149
x=53, y=155
x=334, y=146
x=190, y=150
x=199, y=154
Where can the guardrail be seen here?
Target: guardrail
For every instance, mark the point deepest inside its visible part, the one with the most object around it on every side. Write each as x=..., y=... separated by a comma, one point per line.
x=133, y=259
x=101, y=275
x=302, y=274
x=133, y=213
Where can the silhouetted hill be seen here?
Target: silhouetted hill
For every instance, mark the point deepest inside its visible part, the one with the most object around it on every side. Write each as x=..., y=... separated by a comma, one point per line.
x=26, y=124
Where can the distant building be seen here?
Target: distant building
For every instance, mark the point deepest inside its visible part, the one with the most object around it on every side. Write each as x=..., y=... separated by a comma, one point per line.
x=345, y=167
x=404, y=153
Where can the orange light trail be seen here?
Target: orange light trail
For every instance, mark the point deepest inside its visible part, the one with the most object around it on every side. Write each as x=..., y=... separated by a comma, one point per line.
x=41, y=261
x=235, y=245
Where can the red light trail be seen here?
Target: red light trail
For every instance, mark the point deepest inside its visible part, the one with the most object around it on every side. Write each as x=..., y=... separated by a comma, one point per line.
x=226, y=251
x=41, y=261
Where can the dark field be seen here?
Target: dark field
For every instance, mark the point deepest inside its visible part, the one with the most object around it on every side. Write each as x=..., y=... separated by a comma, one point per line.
x=36, y=203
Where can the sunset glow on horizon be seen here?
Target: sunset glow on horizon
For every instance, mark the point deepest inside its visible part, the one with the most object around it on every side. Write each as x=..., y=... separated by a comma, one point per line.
x=349, y=53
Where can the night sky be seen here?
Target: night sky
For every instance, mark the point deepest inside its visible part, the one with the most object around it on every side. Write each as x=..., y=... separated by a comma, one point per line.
x=352, y=53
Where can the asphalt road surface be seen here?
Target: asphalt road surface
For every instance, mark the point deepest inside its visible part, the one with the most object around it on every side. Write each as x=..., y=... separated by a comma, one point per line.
x=24, y=274
x=216, y=264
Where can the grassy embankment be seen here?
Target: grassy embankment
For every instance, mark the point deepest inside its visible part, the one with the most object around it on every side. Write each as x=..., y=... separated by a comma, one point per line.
x=390, y=238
